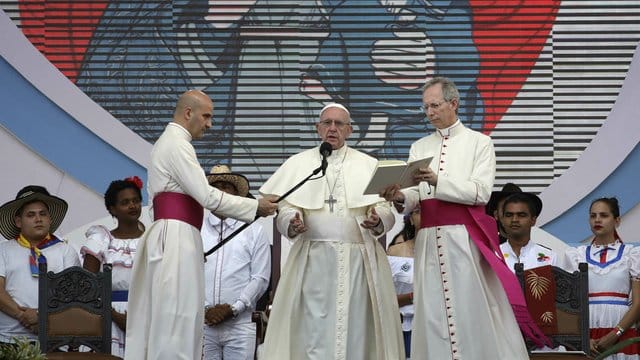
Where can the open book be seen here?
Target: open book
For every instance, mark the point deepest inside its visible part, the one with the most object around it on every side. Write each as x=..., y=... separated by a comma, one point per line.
x=390, y=172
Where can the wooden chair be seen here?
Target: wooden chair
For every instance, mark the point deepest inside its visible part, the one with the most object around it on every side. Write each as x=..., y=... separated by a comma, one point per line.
x=74, y=309
x=559, y=303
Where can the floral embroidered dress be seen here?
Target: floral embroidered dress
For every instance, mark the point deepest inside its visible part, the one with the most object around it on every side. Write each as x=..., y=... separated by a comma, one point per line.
x=120, y=253
x=612, y=268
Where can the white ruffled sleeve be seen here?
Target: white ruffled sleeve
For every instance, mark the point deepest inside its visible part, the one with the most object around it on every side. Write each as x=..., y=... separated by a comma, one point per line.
x=570, y=259
x=98, y=239
x=634, y=259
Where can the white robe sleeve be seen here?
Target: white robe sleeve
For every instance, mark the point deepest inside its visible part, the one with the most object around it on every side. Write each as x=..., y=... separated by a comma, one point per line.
x=286, y=212
x=387, y=218
x=188, y=174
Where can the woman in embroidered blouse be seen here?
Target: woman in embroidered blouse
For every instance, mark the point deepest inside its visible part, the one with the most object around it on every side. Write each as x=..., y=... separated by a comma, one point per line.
x=614, y=274
x=123, y=200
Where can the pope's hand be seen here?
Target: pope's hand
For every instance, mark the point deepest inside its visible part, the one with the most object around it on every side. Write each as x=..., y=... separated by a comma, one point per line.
x=296, y=226
x=372, y=221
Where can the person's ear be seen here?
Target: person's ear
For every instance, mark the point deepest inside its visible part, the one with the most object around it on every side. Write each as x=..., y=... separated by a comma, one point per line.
x=188, y=112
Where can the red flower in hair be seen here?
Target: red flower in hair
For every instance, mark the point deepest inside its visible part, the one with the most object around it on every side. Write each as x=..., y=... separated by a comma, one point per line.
x=136, y=180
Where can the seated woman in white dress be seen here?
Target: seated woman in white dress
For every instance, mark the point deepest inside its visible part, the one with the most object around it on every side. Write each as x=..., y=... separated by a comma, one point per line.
x=117, y=247
x=614, y=275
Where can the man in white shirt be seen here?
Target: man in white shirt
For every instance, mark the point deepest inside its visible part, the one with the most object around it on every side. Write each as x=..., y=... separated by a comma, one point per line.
x=236, y=275
x=518, y=214
x=29, y=222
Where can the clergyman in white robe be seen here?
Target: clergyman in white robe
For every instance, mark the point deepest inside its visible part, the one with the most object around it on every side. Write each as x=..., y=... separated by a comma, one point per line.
x=166, y=298
x=335, y=299
x=461, y=308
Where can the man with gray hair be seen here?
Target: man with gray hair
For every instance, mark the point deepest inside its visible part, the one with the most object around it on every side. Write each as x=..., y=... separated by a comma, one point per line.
x=335, y=299
x=461, y=280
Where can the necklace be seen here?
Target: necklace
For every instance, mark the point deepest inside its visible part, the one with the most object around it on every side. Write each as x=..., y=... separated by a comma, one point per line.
x=332, y=200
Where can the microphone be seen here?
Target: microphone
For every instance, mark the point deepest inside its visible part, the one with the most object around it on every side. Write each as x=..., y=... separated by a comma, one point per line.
x=325, y=151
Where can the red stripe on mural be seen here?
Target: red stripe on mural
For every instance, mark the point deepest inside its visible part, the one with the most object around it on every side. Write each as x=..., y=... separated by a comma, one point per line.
x=510, y=35
x=61, y=30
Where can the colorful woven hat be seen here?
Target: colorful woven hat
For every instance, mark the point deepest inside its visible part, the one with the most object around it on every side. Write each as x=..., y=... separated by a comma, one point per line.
x=57, y=209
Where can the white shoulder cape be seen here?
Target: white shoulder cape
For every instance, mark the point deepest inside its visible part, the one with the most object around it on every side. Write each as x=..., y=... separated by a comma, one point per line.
x=357, y=169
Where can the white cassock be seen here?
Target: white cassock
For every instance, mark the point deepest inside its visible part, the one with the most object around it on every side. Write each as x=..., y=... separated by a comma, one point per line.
x=461, y=308
x=166, y=298
x=335, y=299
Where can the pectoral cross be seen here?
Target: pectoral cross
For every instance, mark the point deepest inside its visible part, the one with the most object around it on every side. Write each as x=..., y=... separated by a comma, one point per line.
x=331, y=201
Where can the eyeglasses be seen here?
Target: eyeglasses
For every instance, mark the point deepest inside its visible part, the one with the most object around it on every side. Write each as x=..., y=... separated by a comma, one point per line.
x=339, y=124
x=434, y=106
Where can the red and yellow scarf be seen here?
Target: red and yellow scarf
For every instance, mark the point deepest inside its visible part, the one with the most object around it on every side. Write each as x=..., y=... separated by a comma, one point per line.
x=36, y=251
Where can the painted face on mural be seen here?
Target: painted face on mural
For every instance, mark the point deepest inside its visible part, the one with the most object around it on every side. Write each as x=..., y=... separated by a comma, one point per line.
x=440, y=112
x=334, y=127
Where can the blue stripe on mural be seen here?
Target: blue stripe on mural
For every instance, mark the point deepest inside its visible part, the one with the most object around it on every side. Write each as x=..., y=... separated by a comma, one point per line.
x=56, y=136
x=573, y=226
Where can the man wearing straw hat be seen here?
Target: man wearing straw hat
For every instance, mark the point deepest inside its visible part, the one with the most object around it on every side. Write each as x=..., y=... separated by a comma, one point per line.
x=235, y=276
x=29, y=222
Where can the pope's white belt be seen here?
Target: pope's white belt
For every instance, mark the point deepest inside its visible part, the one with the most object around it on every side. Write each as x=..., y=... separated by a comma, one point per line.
x=333, y=228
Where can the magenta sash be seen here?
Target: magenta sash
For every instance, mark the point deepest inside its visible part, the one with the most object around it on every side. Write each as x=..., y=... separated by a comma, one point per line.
x=483, y=231
x=177, y=206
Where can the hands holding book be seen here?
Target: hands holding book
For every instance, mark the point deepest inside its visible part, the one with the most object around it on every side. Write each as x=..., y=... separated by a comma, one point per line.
x=425, y=174
x=393, y=193
x=401, y=173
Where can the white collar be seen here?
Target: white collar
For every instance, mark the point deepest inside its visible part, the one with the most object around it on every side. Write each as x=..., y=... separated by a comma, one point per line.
x=451, y=130
x=182, y=129
x=214, y=222
x=338, y=155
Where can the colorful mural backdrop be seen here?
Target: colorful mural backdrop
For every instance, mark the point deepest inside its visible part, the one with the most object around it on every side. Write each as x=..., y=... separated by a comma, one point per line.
x=540, y=77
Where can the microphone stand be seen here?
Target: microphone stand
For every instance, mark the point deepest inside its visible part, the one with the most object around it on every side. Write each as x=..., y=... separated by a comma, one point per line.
x=240, y=229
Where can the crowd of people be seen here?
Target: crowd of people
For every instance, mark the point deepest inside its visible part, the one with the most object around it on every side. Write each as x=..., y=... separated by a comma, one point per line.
x=448, y=273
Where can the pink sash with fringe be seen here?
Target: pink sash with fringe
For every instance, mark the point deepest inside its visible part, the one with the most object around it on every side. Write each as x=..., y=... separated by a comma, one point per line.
x=483, y=231
x=177, y=206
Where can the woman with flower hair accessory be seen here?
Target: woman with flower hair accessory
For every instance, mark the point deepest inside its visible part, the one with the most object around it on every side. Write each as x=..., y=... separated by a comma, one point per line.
x=614, y=279
x=123, y=200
